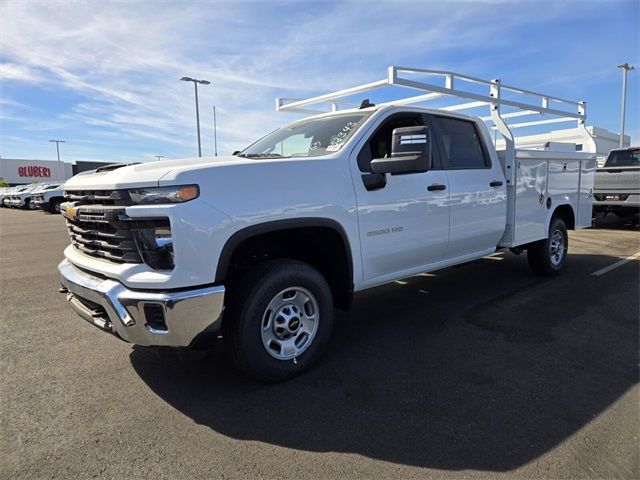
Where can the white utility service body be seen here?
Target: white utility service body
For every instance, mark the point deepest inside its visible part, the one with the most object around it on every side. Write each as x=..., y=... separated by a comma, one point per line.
x=245, y=213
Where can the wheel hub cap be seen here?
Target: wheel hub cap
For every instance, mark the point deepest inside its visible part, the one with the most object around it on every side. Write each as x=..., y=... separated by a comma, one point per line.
x=556, y=247
x=290, y=323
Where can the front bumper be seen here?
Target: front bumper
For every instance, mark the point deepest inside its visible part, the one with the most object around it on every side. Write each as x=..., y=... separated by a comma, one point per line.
x=37, y=201
x=133, y=315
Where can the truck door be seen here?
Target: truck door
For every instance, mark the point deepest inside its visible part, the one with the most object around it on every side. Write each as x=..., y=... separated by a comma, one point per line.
x=478, y=195
x=403, y=219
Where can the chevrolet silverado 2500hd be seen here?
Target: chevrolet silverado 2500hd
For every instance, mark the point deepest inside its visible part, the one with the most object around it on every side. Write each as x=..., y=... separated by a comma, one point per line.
x=617, y=185
x=261, y=246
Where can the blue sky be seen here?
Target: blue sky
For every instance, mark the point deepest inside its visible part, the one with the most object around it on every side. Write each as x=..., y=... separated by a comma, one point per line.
x=104, y=75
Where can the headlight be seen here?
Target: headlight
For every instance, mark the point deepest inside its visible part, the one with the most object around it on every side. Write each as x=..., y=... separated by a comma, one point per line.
x=174, y=194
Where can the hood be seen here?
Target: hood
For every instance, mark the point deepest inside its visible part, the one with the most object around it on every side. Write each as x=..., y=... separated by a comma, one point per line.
x=144, y=174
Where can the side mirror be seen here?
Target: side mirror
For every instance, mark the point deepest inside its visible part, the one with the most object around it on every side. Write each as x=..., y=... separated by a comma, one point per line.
x=410, y=152
x=236, y=152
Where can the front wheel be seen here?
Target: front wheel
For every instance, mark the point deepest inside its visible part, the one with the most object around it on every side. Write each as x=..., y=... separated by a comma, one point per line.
x=278, y=320
x=547, y=257
x=54, y=205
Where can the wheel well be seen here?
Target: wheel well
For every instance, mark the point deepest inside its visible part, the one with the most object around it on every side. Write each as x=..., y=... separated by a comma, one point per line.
x=323, y=247
x=565, y=212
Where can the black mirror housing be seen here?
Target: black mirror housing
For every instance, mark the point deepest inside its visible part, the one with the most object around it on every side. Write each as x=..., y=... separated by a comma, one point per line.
x=410, y=152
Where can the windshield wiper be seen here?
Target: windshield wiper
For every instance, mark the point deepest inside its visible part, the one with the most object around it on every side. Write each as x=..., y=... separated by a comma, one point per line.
x=260, y=155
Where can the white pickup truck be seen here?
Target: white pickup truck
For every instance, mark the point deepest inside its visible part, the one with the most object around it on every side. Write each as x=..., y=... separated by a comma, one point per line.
x=617, y=184
x=261, y=246
x=49, y=197
x=20, y=196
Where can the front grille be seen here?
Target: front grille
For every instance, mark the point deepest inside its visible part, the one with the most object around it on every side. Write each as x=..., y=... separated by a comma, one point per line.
x=101, y=233
x=99, y=226
x=99, y=197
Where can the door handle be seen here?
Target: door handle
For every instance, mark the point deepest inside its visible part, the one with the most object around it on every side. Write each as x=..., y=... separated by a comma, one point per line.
x=496, y=183
x=436, y=187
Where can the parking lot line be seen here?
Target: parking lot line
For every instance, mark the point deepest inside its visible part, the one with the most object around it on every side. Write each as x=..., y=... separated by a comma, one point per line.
x=619, y=263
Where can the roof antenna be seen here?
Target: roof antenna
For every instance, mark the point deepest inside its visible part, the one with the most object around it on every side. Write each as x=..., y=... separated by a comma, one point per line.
x=366, y=104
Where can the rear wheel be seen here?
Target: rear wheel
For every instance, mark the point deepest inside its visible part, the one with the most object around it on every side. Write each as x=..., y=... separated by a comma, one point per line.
x=278, y=320
x=547, y=257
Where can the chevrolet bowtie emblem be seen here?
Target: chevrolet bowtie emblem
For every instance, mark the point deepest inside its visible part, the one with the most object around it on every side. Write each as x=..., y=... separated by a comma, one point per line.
x=71, y=212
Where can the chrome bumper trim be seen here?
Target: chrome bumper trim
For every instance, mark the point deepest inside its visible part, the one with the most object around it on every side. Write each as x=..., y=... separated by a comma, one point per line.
x=111, y=306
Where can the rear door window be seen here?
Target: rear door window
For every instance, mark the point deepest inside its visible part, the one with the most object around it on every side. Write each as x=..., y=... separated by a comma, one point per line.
x=460, y=144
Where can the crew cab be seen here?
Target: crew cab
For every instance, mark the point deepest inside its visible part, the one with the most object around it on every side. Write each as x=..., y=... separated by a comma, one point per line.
x=263, y=245
x=48, y=197
x=617, y=184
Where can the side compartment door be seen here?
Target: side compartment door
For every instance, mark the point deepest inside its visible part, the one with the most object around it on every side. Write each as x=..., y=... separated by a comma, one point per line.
x=403, y=219
x=478, y=191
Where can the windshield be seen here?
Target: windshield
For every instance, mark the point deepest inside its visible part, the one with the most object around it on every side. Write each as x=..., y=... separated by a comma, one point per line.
x=624, y=158
x=308, y=138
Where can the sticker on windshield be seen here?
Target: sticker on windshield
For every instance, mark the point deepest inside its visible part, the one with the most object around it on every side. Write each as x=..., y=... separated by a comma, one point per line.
x=336, y=142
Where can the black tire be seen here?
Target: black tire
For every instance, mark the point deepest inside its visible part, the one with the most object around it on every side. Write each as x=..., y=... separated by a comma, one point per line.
x=546, y=257
x=54, y=205
x=246, y=313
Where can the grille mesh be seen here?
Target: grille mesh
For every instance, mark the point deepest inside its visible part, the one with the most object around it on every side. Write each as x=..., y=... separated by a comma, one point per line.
x=97, y=228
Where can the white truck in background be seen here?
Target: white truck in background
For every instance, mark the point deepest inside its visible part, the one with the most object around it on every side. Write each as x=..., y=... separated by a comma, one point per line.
x=617, y=184
x=48, y=197
x=261, y=246
x=20, y=196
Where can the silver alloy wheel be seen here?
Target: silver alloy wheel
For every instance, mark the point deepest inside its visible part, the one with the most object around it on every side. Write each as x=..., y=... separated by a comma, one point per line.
x=56, y=207
x=556, y=248
x=290, y=323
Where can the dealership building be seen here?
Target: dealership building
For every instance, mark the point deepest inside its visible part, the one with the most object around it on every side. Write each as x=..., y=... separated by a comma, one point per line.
x=18, y=171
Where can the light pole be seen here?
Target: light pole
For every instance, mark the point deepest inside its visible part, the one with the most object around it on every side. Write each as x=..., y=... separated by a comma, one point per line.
x=195, y=84
x=58, y=142
x=625, y=69
x=215, y=133
x=159, y=157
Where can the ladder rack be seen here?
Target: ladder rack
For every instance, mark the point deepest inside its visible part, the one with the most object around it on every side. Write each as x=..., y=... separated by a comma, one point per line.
x=504, y=102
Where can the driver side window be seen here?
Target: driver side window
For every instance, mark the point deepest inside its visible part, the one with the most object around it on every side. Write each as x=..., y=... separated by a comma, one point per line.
x=379, y=145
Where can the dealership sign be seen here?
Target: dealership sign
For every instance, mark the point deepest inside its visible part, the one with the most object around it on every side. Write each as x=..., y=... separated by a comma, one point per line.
x=20, y=171
x=34, y=171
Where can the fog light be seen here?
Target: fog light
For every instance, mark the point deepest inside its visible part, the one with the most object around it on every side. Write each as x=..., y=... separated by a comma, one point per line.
x=163, y=237
x=154, y=314
x=155, y=246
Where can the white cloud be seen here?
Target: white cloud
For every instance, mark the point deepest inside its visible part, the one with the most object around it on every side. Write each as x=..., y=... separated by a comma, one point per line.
x=15, y=71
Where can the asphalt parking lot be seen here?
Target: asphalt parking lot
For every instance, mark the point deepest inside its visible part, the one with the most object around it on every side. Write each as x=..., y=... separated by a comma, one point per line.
x=478, y=371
